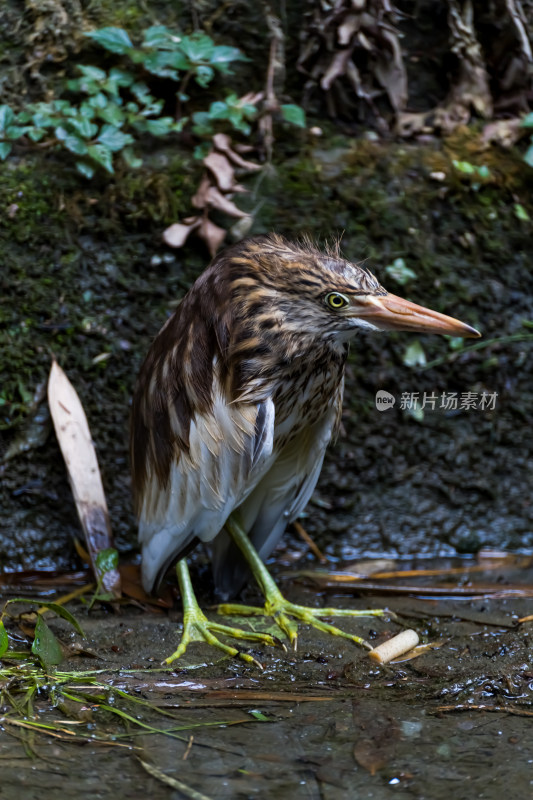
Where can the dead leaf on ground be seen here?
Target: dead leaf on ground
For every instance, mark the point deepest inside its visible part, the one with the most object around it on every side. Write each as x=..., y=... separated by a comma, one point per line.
x=378, y=737
x=74, y=437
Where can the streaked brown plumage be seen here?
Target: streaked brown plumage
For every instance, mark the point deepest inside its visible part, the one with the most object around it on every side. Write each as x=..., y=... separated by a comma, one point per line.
x=241, y=392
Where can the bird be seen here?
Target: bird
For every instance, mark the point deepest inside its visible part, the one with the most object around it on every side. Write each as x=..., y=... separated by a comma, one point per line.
x=235, y=404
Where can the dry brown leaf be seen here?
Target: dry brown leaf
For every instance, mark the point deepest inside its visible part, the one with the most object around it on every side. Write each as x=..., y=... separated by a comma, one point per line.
x=391, y=73
x=252, y=98
x=223, y=143
x=346, y=29
x=336, y=68
x=241, y=147
x=369, y=756
x=379, y=736
x=200, y=199
x=216, y=199
x=74, y=437
x=212, y=235
x=176, y=235
x=222, y=170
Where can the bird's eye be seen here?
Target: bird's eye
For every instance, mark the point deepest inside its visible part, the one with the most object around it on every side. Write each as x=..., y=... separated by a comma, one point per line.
x=336, y=301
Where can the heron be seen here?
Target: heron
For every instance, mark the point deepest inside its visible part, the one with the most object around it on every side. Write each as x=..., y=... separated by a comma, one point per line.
x=235, y=404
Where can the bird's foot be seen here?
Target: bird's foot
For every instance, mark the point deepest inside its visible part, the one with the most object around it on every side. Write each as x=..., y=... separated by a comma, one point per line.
x=278, y=607
x=198, y=628
x=286, y=613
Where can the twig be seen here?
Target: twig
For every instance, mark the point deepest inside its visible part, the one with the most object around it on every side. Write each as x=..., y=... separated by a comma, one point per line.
x=302, y=533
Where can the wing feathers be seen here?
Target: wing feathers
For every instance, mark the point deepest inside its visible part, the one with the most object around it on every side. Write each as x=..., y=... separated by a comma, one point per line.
x=229, y=450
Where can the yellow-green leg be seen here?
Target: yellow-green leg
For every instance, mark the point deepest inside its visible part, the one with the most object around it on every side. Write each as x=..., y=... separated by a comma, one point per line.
x=198, y=628
x=281, y=609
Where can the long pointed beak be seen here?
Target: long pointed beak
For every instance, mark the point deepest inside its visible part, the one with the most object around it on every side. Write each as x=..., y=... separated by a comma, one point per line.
x=389, y=312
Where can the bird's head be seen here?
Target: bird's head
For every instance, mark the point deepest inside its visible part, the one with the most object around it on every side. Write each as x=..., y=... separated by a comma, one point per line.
x=300, y=291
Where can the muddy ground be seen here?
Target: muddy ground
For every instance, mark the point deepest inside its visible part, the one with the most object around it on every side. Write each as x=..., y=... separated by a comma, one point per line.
x=325, y=722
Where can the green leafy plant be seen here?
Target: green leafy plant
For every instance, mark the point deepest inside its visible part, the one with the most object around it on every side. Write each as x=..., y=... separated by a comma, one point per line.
x=45, y=645
x=110, y=109
x=105, y=111
x=233, y=109
x=168, y=54
x=106, y=561
x=96, y=128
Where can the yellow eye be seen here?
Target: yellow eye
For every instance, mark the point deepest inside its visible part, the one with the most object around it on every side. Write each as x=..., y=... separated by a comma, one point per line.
x=336, y=301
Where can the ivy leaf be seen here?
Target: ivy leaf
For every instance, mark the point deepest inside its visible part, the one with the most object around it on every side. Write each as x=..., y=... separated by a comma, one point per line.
x=114, y=115
x=179, y=61
x=86, y=111
x=45, y=645
x=5, y=149
x=293, y=114
x=218, y=110
x=121, y=77
x=7, y=118
x=36, y=134
x=158, y=64
x=114, y=139
x=141, y=92
x=84, y=127
x=16, y=131
x=198, y=47
x=98, y=100
x=116, y=40
x=93, y=73
x=84, y=169
x=102, y=155
x=4, y=641
x=204, y=75
x=202, y=123
x=160, y=127
x=161, y=37
x=222, y=57
x=71, y=142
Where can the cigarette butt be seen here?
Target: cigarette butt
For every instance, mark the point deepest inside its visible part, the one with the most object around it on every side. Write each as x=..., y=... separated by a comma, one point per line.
x=395, y=647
